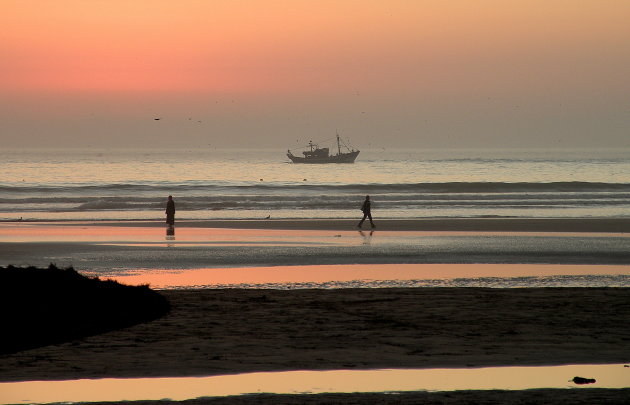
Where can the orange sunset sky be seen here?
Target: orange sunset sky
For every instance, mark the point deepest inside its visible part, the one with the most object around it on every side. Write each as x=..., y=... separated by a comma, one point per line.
x=401, y=73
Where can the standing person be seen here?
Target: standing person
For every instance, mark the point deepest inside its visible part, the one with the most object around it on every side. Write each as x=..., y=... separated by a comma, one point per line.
x=170, y=211
x=367, y=213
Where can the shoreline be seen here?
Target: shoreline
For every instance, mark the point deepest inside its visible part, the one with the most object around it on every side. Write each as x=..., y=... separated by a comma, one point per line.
x=578, y=225
x=101, y=246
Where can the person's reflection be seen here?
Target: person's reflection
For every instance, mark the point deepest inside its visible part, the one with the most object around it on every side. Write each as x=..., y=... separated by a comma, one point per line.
x=170, y=235
x=367, y=238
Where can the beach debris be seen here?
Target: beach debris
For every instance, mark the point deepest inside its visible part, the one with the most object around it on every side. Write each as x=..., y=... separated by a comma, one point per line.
x=582, y=380
x=156, y=119
x=268, y=216
x=337, y=236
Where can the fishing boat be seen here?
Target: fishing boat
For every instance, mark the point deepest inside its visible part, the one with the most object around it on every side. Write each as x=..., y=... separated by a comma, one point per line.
x=315, y=154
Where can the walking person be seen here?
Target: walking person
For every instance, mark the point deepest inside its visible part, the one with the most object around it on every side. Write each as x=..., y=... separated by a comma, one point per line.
x=170, y=211
x=367, y=213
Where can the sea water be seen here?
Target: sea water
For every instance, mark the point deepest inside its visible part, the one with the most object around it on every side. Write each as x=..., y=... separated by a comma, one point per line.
x=110, y=184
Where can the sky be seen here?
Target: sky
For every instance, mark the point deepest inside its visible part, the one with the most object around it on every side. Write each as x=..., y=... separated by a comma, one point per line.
x=268, y=74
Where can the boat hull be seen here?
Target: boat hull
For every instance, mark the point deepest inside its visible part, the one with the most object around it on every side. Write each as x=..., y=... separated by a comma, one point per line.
x=341, y=158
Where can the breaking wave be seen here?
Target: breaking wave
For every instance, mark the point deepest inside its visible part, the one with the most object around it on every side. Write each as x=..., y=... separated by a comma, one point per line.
x=449, y=187
x=475, y=198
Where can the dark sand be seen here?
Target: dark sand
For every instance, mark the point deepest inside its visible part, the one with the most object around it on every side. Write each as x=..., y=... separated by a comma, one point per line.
x=229, y=331
x=528, y=397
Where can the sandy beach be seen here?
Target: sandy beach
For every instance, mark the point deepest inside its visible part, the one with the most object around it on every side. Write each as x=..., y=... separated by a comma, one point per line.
x=229, y=331
x=213, y=332
x=103, y=247
x=573, y=397
x=590, y=225
x=226, y=331
x=616, y=225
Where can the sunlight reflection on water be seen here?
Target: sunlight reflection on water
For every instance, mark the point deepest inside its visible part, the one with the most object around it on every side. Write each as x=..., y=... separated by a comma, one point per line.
x=312, y=382
x=383, y=276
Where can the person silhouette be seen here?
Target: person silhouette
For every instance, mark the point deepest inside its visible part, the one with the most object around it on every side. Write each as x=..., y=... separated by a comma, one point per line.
x=170, y=211
x=367, y=213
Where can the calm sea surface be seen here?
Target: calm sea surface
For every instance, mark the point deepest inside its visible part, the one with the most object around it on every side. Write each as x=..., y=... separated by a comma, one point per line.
x=223, y=184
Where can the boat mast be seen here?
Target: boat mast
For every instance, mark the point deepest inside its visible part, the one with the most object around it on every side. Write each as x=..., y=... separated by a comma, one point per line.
x=338, y=145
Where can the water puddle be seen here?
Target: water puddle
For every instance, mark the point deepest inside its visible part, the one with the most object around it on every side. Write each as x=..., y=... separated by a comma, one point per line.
x=313, y=382
x=130, y=235
x=380, y=275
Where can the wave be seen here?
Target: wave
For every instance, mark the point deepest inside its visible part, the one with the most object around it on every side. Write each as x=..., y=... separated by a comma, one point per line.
x=474, y=198
x=402, y=198
x=446, y=187
x=278, y=203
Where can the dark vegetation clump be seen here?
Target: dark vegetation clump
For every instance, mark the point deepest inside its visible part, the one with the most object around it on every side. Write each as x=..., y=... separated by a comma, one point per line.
x=39, y=306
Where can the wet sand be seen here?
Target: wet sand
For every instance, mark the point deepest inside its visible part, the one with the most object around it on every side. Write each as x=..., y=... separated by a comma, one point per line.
x=527, y=397
x=101, y=247
x=212, y=332
x=606, y=225
x=444, y=224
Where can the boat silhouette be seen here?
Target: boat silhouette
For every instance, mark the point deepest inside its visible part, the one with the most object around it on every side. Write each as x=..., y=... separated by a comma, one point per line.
x=315, y=154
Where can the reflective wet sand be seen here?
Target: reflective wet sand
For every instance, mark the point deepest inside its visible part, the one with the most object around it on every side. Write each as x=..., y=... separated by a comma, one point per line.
x=314, y=382
x=110, y=250
x=367, y=275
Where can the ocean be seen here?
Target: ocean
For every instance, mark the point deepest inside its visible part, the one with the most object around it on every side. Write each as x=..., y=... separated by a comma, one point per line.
x=132, y=184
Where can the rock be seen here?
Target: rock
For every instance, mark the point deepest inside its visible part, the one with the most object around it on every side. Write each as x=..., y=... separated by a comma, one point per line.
x=582, y=380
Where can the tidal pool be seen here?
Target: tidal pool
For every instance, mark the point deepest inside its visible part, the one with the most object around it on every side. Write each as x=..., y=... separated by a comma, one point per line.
x=313, y=382
x=380, y=276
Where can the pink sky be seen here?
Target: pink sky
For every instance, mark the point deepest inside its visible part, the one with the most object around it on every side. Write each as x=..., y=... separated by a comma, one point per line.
x=443, y=69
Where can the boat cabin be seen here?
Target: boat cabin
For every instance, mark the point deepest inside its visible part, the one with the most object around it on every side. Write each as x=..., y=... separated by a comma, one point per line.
x=317, y=153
